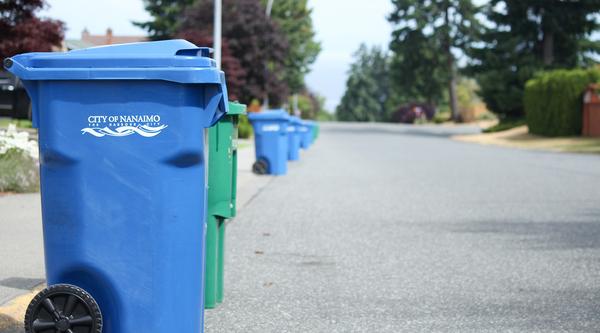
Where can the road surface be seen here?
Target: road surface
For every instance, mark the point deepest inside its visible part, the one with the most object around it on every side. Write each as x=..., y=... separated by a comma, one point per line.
x=392, y=229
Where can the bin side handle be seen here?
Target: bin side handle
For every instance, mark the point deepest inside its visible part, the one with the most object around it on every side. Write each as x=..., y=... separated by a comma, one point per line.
x=222, y=99
x=196, y=52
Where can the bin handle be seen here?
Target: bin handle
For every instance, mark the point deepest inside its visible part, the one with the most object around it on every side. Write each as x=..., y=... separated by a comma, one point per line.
x=222, y=109
x=196, y=52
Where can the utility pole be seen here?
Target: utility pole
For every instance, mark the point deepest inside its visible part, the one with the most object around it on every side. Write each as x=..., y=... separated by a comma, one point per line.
x=217, y=32
x=266, y=99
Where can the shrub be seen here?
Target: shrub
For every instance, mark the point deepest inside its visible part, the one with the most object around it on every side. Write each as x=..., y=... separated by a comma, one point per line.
x=553, y=101
x=244, y=129
x=412, y=112
x=18, y=172
x=18, y=162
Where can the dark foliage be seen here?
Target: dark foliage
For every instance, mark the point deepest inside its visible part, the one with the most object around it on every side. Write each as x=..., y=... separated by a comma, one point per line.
x=22, y=31
x=254, y=40
x=235, y=74
x=409, y=113
x=524, y=37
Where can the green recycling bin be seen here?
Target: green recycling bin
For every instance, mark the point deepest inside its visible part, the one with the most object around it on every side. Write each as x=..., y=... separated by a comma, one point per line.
x=315, y=131
x=222, y=176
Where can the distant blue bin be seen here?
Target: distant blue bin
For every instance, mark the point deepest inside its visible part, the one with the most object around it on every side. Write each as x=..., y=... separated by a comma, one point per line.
x=306, y=134
x=123, y=176
x=271, y=141
x=293, y=139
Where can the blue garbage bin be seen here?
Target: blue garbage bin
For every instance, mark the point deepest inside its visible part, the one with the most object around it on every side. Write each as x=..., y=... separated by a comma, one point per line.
x=270, y=141
x=306, y=136
x=293, y=139
x=122, y=184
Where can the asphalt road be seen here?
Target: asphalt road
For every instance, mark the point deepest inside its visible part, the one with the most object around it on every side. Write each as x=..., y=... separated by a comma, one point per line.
x=396, y=229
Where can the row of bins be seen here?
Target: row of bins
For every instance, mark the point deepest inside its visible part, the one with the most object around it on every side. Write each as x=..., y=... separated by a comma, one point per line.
x=278, y=139
x=134, y=202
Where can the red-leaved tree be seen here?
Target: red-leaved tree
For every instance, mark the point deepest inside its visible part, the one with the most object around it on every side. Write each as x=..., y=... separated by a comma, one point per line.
x=235, y=74
x=254, y=40
x=22, y=31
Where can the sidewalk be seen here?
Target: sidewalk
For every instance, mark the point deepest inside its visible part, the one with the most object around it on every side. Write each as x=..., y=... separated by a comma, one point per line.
x=519, y=137
x=21, y=244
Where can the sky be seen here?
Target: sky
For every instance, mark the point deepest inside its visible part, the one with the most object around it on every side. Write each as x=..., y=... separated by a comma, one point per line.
x=341, y=26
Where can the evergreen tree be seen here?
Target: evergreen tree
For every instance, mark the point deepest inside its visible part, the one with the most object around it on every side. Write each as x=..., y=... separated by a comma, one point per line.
x=166, y=15
x=426, y=35
x=367, y=87
x=526, y=36
x=294, y=20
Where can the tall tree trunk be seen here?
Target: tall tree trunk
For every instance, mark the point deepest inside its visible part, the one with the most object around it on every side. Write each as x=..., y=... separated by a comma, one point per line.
x=547, y=41
x=548, y=48
x=451, y=72
x=452, y=93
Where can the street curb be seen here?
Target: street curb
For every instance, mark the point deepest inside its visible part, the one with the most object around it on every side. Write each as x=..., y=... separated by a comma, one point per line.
x=13, y=312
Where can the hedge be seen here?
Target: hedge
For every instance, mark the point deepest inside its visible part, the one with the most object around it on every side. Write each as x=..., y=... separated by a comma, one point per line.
x=553, y=101
x=245, y=128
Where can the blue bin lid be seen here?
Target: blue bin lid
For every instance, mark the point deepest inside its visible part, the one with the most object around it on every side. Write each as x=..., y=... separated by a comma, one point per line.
x=170, y=60
x=277, y=114
x=295, y=120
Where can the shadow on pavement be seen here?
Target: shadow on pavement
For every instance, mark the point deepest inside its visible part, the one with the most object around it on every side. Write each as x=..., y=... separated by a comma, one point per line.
x=559, y=235
x=21, y=283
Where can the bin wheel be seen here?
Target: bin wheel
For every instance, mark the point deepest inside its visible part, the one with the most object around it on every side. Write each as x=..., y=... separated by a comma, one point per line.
x=63, y=308
x=260, y=167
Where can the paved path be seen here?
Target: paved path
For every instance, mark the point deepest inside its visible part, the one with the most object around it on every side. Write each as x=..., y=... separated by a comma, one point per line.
x=381, y=229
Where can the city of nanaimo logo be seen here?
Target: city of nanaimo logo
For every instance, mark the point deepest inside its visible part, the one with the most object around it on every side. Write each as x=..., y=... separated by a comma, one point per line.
x=145, y=125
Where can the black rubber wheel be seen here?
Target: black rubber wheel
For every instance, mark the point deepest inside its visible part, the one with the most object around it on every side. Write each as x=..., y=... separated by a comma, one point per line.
x=63, y=308
x=260, y=167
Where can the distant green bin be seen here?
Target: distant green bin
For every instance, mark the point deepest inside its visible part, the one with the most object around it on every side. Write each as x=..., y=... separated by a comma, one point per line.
x=222, y=177
x=315, y=131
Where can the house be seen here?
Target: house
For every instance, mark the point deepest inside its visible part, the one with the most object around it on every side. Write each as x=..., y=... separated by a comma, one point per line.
x=89, y=40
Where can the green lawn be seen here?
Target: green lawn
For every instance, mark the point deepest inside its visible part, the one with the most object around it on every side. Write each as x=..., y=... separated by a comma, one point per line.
x=506, y=124
x=4, y=122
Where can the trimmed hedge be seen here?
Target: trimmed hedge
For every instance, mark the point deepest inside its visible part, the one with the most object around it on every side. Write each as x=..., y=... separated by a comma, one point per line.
x=245, y=128
x=553, y=101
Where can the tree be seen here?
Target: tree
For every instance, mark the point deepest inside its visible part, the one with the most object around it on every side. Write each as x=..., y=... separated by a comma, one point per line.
x=22, y=31
x=294, y=20
x=524, y=37
x=367, y=87
x=236, y=75
x=310, y=104
x=427, y=35
x=254, y=40
x=166, y=16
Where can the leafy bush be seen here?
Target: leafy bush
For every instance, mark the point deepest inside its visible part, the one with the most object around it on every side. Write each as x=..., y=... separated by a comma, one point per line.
x=553, y=101
x=18, y=172
x=244, y=129
x=18, y=162
x=412, y=112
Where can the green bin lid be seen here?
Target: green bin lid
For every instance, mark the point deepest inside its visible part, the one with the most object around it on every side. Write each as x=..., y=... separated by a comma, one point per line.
x=236, y=108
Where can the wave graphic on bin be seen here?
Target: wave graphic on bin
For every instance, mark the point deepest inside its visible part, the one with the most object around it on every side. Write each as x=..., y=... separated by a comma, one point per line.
x=143, y=130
